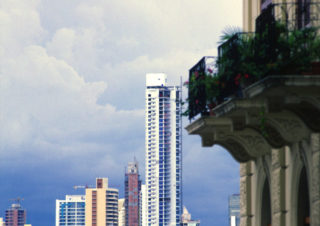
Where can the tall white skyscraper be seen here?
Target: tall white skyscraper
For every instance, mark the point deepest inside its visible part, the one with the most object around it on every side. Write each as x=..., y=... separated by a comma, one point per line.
x=70, y=211
x=163, y=151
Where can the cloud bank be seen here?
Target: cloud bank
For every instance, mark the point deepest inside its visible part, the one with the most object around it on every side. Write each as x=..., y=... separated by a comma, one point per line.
x=72, y=83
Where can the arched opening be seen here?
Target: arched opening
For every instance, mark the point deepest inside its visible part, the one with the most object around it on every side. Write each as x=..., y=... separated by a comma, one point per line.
x=303, y=200
x=266, y=205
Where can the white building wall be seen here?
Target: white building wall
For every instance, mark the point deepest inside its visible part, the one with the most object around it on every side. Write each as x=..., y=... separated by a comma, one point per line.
x=2, y=223
x=143, y=206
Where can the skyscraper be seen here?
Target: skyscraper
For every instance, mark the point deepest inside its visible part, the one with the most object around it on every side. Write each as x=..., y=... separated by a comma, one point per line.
x=234, y=210
x=163, y=151
x=15, y=215
x=70, y=211
x=101, y=204
x=132, y=191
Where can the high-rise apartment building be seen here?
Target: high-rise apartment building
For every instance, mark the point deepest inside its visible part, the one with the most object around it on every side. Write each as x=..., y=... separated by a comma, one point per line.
x=101, y=204
x=234, y=210
x=15, y=215
x=70, y=211
x=163, y=151
x=132, y=191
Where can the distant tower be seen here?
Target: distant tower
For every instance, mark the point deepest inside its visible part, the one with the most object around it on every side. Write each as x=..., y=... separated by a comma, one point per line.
x=132, y=191
x=101, y=204
x=186, y=219
x=234, y=210
x=163, y=151
x=15, y=216
x=71, y=211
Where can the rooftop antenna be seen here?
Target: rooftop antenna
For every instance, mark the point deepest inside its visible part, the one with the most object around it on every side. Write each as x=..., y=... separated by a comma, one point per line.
x=17, y=200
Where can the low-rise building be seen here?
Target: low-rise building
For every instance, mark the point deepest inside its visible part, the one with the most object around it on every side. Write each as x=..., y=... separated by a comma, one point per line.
x=70, y=211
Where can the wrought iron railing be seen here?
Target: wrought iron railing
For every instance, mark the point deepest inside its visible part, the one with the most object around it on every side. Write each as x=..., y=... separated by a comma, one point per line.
x=197, y=95
x=282, y=44
x=295, y=15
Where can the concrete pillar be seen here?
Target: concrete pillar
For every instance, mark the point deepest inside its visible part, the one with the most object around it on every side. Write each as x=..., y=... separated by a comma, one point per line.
x=245, y=194
x=315, y=179
x=278, y=187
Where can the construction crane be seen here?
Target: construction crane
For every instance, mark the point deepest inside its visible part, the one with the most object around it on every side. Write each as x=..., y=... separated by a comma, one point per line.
x=81, y=187
x=17, y=200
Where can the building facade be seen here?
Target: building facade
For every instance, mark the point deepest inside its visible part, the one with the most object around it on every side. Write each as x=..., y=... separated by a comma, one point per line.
x=121, y=212
x=272, y=128
x=101, y=204
x=234, y=210
x=132, y=191
x=70, y=211
x=15, y=216
x=163, y=151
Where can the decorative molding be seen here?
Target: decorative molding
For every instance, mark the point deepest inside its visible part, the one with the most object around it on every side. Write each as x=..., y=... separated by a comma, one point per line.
x=288, y=125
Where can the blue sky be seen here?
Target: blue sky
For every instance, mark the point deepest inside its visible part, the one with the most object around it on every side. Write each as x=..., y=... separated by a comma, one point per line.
x=72, y=83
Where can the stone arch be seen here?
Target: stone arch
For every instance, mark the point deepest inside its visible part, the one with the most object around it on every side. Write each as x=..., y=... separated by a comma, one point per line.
x=263, y=194
x=265, y=215
x=303, y=200
x=300, y=184
x=236, y=150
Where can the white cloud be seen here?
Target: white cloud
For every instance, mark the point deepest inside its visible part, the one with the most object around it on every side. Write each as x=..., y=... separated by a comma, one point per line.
x=72, y=80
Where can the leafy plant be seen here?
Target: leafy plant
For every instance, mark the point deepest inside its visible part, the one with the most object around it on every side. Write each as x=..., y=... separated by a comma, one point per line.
x=245, y=58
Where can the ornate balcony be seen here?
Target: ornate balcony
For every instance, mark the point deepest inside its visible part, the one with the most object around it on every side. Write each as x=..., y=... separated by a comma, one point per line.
x=277, y=48
x=272, y=113
x=263, y=106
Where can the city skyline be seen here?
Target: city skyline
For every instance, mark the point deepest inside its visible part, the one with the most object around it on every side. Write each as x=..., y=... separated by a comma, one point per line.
x=72, y=96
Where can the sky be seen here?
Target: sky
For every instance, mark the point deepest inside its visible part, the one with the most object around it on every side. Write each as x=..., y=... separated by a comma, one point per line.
x=72, y=85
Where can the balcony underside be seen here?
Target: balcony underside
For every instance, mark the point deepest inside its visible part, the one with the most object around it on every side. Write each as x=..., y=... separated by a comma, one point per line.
x=272, y=113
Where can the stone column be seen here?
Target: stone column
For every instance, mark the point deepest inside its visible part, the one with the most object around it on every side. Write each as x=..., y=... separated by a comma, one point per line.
x=245, y=194
x=315, y=179
x=278, y=187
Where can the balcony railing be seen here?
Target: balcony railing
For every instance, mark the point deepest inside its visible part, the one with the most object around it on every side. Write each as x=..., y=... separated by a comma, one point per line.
x=197, y=74
x=281, y=45
x=295, y=15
